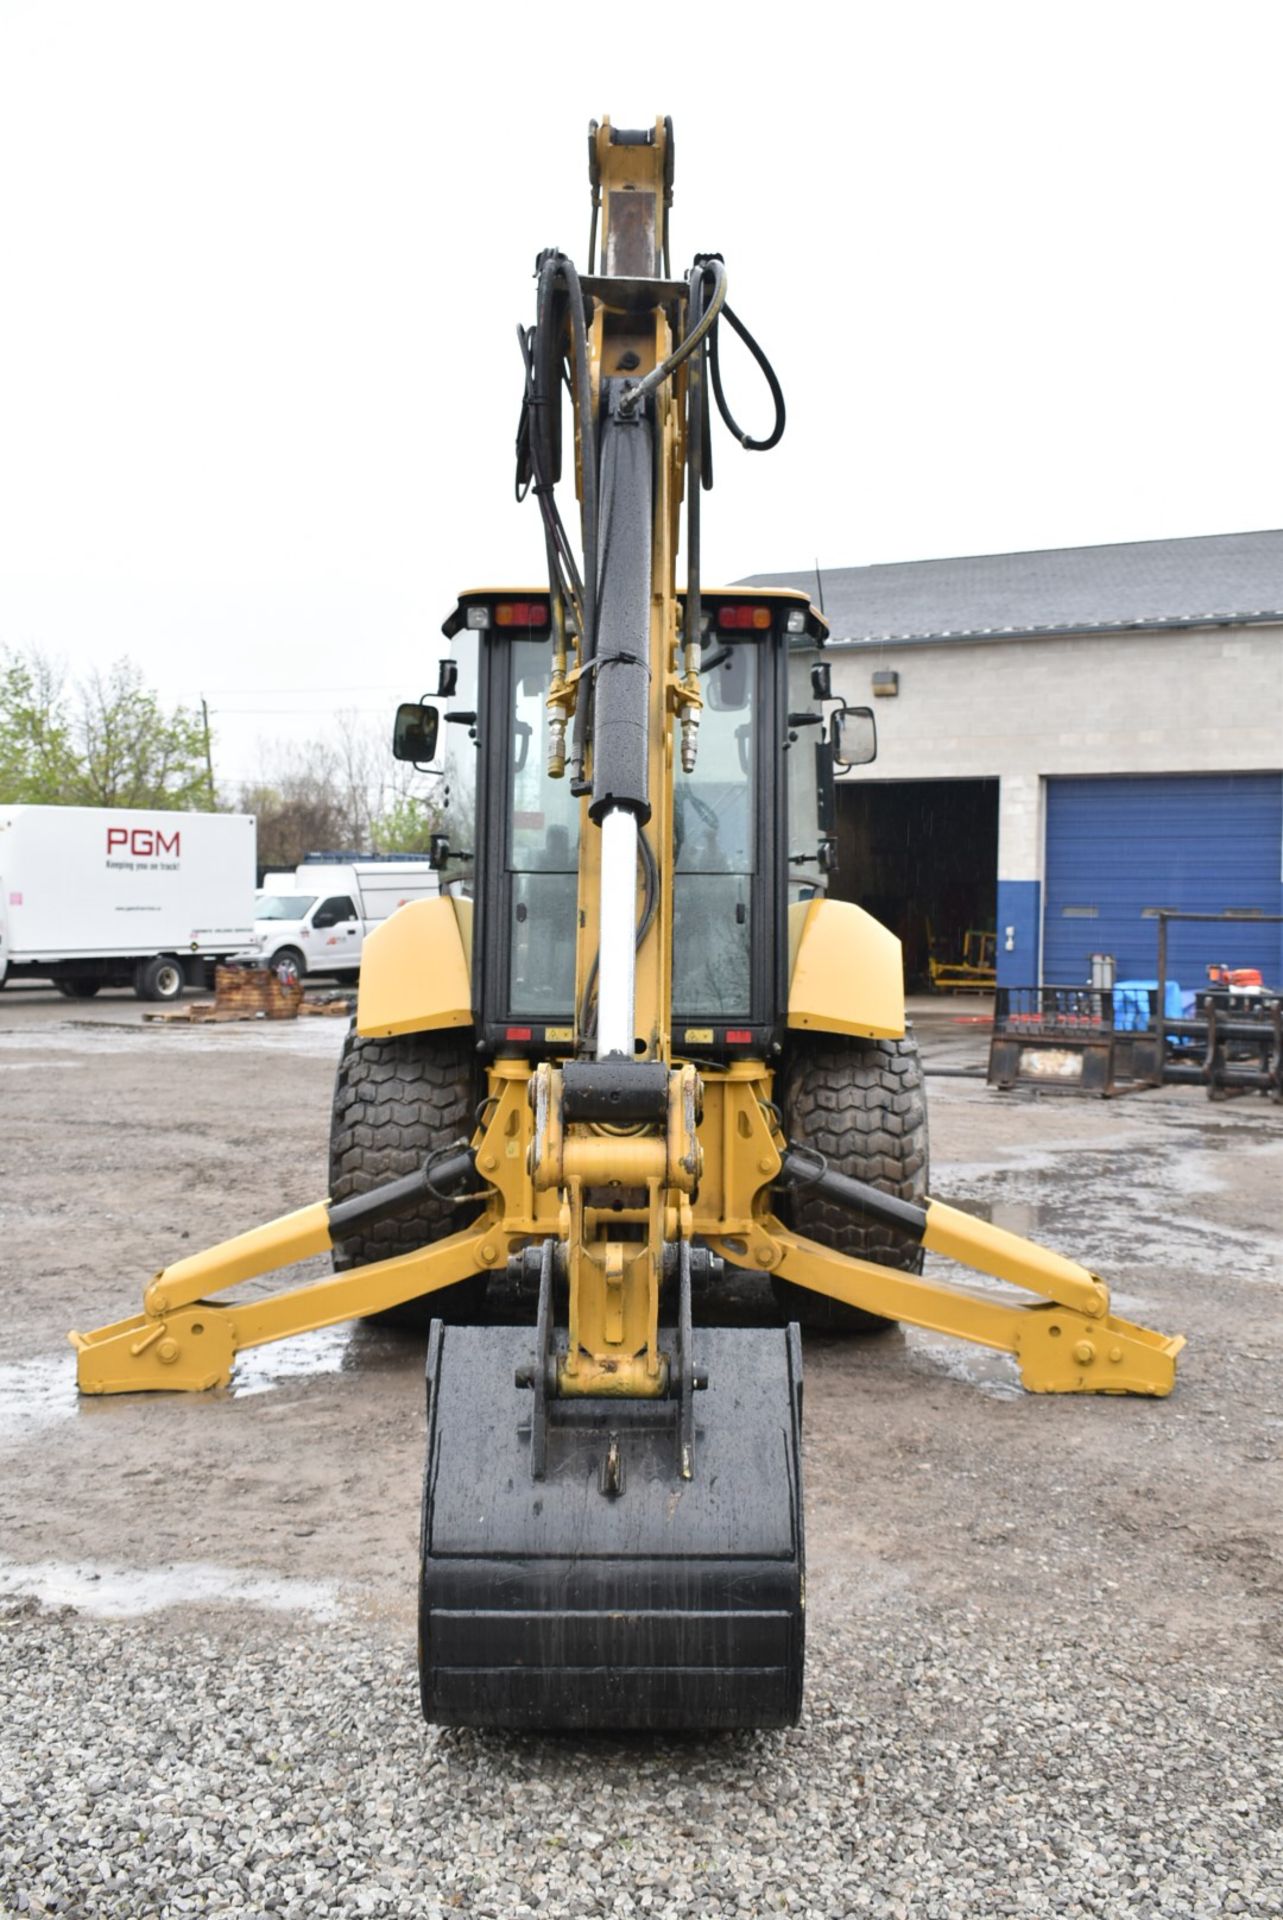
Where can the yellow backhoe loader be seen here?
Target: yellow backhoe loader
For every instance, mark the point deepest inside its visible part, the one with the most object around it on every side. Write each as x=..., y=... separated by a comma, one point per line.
x=633, y=1041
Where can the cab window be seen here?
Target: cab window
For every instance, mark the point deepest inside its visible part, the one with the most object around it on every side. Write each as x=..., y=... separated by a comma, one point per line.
x=334, y=911
x=806, y=776
x=543, y=849
x=715, y=843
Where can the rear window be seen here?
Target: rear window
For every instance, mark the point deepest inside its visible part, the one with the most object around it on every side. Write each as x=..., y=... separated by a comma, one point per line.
x=284, y=906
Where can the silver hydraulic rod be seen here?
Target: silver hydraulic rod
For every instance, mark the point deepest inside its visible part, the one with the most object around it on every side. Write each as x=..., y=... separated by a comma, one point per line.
x=617, y=935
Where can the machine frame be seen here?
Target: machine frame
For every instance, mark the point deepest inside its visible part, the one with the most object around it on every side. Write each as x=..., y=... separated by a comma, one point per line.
x=619, y=1155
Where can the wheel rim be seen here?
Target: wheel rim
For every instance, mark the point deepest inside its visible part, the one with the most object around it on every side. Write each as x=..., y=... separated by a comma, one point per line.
x=169, y=982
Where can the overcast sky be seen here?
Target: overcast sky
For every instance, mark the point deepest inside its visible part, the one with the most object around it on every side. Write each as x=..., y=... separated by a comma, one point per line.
x=261, y=266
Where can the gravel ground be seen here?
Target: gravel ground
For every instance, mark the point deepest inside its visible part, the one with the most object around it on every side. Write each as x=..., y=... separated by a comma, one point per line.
x=1046, y=1635
x=940, y=1771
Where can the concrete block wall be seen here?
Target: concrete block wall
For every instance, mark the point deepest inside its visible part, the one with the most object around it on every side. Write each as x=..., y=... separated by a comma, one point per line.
x=1206, y=700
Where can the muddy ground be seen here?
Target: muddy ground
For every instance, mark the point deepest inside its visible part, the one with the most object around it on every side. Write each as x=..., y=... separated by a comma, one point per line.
x=127, y=1146
x=933, y=1480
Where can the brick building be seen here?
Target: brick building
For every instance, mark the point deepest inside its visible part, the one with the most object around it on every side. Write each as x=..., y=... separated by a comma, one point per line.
x=1067, y=740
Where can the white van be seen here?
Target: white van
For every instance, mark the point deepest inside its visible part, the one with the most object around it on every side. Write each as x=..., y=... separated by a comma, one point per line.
x=318, y=924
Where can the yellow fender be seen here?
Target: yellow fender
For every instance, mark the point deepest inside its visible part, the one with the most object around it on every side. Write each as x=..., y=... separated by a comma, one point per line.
x=416, y=970
x=846, y=972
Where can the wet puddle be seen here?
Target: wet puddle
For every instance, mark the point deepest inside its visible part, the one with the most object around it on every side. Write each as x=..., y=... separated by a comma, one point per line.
x=39, y=1393
x=36, y=1394
x=994, y=1374
x=121, y=1593
x=329, y=1350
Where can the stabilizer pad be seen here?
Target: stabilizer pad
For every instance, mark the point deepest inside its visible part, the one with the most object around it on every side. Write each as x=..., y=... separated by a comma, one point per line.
x=671, y=1604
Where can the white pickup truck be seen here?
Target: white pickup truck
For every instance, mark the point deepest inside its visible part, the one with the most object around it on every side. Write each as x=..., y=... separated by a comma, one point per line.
x=317, y=925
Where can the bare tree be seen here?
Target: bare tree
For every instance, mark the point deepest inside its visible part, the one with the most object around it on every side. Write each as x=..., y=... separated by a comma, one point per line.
x=363, y=757
x=341, y=792
x=297, y=803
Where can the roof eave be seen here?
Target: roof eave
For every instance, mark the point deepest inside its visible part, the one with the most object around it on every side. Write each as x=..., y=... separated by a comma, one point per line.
x=977, y=636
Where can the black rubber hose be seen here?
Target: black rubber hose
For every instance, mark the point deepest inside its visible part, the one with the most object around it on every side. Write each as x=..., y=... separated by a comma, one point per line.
x=590, y=516
x=582, y=399
x=563, y=572
x=696, y=452
x=549, y=348
x=561, y=323
x=768, y=371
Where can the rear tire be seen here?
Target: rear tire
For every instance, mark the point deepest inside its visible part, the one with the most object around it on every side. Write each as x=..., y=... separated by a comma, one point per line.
x=395, y=1102
x=160, y=978
x=81, y=989
x=861, y=1104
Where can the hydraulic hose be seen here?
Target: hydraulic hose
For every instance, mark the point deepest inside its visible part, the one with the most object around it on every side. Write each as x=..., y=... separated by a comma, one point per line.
x=559, y=309
x=768, y=371
x=706, y=308
x=638, y=390
x=699, y=468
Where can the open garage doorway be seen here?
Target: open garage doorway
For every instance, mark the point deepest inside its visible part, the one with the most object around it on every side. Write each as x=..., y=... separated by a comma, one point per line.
x=922, y=857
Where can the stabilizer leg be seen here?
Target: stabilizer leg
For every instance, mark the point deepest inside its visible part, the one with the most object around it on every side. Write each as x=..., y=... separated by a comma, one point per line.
x=187, y=1342
x=193, y=1346
x=1066, y=1341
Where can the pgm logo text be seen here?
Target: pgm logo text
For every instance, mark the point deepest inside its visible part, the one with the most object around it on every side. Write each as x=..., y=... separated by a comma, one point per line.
x=144, y=843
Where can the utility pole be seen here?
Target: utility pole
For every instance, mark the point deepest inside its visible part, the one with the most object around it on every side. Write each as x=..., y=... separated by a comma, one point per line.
x=209, y=758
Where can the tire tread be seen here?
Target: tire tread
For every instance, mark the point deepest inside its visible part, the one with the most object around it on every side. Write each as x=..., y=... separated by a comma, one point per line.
x=861, y=1104
x=395, y=1102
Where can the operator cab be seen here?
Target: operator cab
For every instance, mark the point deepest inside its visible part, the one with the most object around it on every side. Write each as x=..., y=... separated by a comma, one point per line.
x=753, y=824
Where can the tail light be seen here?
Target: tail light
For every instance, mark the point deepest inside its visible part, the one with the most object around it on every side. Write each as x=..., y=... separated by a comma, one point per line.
x=751, y=616
x=521, y=613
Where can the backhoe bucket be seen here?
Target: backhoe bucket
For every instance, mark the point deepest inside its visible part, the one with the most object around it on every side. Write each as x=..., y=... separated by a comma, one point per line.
x=612, y=1592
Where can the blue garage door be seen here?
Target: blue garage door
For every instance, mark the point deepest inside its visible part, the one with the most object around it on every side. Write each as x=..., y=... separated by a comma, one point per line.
x=1118, y=847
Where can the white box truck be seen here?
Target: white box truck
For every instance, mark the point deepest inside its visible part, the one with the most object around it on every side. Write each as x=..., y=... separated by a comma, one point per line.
x=318, y=924
x=94, y=897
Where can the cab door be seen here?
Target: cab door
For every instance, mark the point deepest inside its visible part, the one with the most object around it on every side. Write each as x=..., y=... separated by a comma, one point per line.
x=338, y=936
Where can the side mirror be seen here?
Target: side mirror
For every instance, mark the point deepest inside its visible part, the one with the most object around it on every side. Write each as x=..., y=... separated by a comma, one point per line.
x=822, y=680
x=322, y=920
x=438, y=851
x=854, y=737
x=414, y=737
x=447, y=679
